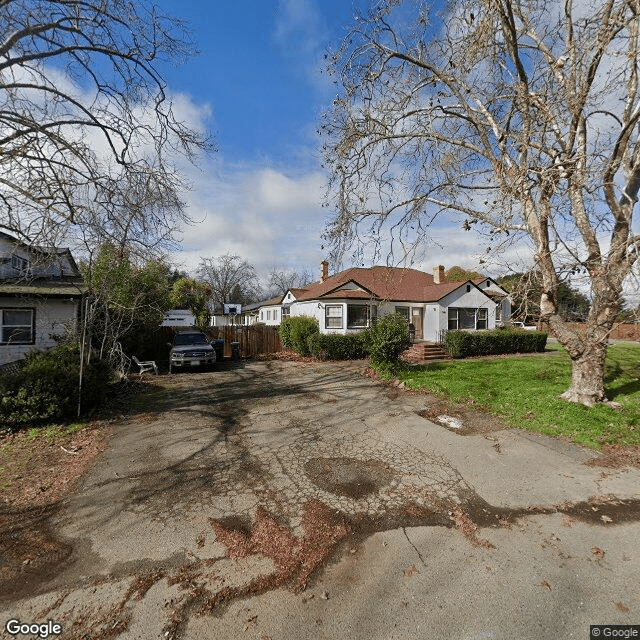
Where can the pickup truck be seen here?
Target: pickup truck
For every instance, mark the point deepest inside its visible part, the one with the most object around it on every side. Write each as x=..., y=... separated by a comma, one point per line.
x=190, y=348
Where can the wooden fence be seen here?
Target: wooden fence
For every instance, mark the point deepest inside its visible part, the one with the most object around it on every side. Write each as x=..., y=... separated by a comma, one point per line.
x=253, y=341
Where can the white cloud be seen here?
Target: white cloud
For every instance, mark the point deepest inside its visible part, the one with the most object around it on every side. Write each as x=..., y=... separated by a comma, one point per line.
x=298, y=24
x=259, y=213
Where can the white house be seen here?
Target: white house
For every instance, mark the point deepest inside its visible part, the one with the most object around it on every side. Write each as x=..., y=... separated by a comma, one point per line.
x=346, y=302
x=40, y=297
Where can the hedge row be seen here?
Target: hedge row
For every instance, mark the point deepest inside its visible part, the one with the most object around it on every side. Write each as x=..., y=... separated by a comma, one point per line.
x=464, y=344
x=352, y=346
x=384, y=341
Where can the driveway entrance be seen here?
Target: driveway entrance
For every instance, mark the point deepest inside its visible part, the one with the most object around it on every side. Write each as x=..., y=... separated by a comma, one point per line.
x=291, y=500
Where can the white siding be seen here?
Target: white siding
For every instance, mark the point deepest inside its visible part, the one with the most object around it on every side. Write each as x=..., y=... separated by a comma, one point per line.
x=473, y=299
x=54, y=317
x=271, y=315
x=40, y=265
x=311, y=309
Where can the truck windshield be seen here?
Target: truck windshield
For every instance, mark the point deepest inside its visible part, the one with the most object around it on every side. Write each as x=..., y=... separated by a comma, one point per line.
x=189, y=338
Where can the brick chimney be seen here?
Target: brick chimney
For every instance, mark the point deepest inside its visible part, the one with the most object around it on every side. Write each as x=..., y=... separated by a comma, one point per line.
x=324, y=270
x=438, y=274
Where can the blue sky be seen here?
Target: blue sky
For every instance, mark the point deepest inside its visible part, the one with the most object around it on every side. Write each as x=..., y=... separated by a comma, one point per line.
x=259, y=85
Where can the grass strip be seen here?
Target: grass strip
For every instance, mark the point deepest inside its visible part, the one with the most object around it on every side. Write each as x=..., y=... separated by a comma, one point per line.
x=524, y=390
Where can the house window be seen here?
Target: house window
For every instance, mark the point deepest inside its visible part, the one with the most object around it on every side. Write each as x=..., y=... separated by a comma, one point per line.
x=333, y=316
x=499, y=312
x=261, y=316
x=467, y=318
x=17, y=326
x=481, y=318
x=403, y=311
x=19, y=264
x=286, y=312
x=358, y=316
x=275, y=314
x=269, y=314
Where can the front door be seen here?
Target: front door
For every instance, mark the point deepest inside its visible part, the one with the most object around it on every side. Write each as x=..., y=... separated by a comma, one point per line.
x=416, y=319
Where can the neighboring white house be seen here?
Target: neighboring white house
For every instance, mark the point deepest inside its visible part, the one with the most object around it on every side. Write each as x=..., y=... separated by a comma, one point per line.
x=178, y=318
x=40, y=297
x=346, y=302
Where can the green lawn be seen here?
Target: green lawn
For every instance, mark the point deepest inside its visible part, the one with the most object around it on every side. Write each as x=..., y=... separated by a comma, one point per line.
x=524, y=390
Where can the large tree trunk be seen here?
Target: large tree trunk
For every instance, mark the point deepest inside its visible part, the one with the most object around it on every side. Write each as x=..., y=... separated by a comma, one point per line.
x=587, y=376
x=587, y=350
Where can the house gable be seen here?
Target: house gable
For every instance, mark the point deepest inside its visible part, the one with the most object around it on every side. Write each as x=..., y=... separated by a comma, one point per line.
x=40, y=296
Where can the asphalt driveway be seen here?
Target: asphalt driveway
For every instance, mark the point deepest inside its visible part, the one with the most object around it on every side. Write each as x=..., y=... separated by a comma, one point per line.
x=287, y=500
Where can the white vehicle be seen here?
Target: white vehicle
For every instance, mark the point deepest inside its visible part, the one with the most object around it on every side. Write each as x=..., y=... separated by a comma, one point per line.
x=522, y=325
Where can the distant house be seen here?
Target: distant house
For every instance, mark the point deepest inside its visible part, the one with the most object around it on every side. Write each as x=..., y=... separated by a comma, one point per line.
x=346, y=302
x=40, y=297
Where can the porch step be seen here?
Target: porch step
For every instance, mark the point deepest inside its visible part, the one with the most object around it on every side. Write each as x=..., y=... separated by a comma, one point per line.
x=425, y=351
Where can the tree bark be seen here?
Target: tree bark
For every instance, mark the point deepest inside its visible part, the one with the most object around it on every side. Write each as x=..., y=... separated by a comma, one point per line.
x=587, y=376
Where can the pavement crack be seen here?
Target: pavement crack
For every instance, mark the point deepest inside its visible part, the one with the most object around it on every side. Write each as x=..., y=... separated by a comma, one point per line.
x=406, y=535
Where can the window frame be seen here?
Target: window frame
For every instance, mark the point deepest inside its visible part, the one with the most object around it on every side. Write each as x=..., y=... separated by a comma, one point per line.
x=328, y=317
x=480, y=318
x=31, y=326
x=367, y=316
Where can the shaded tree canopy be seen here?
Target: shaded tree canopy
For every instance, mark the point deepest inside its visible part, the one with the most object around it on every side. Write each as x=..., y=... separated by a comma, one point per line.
x=125, y=303
x=187, y=293
x=519, y=118
x=460, y=274
x=89, y=138
x=525, y=289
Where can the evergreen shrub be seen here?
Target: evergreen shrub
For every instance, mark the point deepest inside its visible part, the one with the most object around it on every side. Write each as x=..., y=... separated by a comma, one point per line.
x=295, y=331
x=352, y=346
x=46, y=387
x=387, y=338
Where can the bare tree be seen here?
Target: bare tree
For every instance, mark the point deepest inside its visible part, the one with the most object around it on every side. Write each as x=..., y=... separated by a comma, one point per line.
x=520, y=116
x=281, y=280
x=226, y=273
x=88, y=135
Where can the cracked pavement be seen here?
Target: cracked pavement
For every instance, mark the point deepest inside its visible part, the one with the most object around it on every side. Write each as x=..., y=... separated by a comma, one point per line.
x=304, y=500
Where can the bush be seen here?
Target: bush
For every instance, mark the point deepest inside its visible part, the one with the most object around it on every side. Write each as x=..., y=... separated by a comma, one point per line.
x=352, y=346
x=464, y=344
x=46, y=387
x=295, y=331
x=387, y=338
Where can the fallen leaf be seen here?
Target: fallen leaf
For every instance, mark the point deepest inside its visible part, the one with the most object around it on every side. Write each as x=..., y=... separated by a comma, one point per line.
x=621, y=607
x=250, y=622
x=606, y=519
x=545, y=585
x=409, y=571
x=598, y=552
x=567, y=521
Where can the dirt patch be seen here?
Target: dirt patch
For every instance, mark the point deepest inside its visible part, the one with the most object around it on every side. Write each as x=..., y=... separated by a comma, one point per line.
x=615, y=456
x=37, y=472
x=348, y=476
x=38, y=469
x=473, y=419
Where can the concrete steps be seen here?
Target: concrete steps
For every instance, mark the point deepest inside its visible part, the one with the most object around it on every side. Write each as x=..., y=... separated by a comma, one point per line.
x=424, y=351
